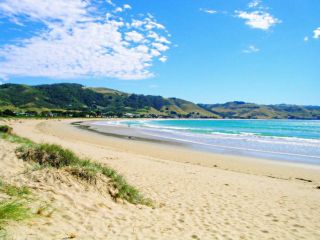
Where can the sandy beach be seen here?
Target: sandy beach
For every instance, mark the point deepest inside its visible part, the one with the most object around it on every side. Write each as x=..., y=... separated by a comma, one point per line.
x=197, y=195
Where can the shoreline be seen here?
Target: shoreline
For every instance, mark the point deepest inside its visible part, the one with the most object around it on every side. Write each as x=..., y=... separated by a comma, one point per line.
x=140, y=134
x=179, y=153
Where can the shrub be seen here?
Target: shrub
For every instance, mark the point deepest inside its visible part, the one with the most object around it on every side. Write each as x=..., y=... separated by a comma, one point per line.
x=5, y=129
x=48, y=155
x=87, y=174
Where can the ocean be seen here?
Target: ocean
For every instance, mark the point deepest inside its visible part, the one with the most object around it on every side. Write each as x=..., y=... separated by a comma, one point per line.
x=282, y=140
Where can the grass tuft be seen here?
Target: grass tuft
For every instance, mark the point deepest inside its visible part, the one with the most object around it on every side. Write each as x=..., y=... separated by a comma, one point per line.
x=14, y=207
x=86, y=174
x=15, y=139
x=13, y=210
x=14, y=191
x=51, y=155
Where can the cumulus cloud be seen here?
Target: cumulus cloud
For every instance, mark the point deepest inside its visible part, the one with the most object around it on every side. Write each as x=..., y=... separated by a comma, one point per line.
x=251, y=49
x=258, y=19
x=134, y=36
x=258, y=16
x=306, y=39
x=81, y=39
x=316, y=33
x=209, y=11
x=163, y=59
x=127, y=6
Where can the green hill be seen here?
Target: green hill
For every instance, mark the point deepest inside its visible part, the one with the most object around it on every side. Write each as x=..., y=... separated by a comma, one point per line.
x=75, y=100
x=244, y=110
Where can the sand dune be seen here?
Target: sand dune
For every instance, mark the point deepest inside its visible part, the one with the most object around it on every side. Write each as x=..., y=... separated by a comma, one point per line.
x=192, y=200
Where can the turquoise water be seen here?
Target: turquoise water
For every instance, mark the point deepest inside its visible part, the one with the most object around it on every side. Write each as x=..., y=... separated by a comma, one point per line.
x=285, y=140
x=276, y=128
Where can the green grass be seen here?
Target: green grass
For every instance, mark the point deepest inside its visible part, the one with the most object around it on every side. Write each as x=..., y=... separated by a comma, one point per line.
x=51, y=155
x=123, y=189
x=13, y=210
x=47, y=155
x=15, y=139
x=55, y=156
x=14, y=207
x=14, y=191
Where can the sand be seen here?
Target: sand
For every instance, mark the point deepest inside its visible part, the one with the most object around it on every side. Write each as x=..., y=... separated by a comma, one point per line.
x=240, y=198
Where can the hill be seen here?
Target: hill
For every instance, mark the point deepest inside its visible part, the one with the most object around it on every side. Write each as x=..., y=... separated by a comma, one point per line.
x=243, y=110
x=75, y=100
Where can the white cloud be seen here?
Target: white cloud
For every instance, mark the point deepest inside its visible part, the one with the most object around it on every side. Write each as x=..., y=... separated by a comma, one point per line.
x=306, y=39
x=254, y=3
x=127, y=6
x=79, y=39
x=316, y=33
x=251, y=49
x=209, y=11
x=163, y=59
x=134, y=36
x=158, y=38
x=155, y=53
x=258, y=19
x=160, y=46
x=118, y=9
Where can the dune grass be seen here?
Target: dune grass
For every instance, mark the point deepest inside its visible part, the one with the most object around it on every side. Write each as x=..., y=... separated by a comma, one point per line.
x=52, y=155
x=13, y=207
x=14, y=191
x=15, y=139
x=13, y=210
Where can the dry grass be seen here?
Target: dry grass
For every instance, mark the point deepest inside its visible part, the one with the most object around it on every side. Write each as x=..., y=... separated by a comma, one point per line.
x=51, y=155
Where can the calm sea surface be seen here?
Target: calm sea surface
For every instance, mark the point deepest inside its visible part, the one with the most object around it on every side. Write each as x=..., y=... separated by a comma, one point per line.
x=287, y=140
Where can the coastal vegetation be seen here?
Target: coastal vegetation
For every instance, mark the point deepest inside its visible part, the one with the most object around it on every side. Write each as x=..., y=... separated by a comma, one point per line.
x=55, y=156
x=243, y=110
x=14, y=205
x=75, y=100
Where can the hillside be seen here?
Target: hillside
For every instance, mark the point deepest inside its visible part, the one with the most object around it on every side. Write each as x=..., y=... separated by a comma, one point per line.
x=75, y=100
x=244, y=110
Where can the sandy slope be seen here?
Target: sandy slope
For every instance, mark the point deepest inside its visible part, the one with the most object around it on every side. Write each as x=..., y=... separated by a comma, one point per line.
x=193, y=201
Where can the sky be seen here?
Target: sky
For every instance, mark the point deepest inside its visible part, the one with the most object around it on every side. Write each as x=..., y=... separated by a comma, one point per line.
x=205, y=51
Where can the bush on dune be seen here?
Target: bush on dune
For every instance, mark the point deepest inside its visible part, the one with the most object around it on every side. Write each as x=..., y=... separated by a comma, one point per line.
x=51, y=155
x=55, y=156
x=5, y=129
x=48, y=155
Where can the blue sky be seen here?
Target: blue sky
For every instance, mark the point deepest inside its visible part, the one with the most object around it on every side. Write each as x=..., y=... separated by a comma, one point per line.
x=206, y=51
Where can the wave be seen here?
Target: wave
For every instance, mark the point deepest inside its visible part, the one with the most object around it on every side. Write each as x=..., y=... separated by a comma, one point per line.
x=209, y=132
x=238, y=148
